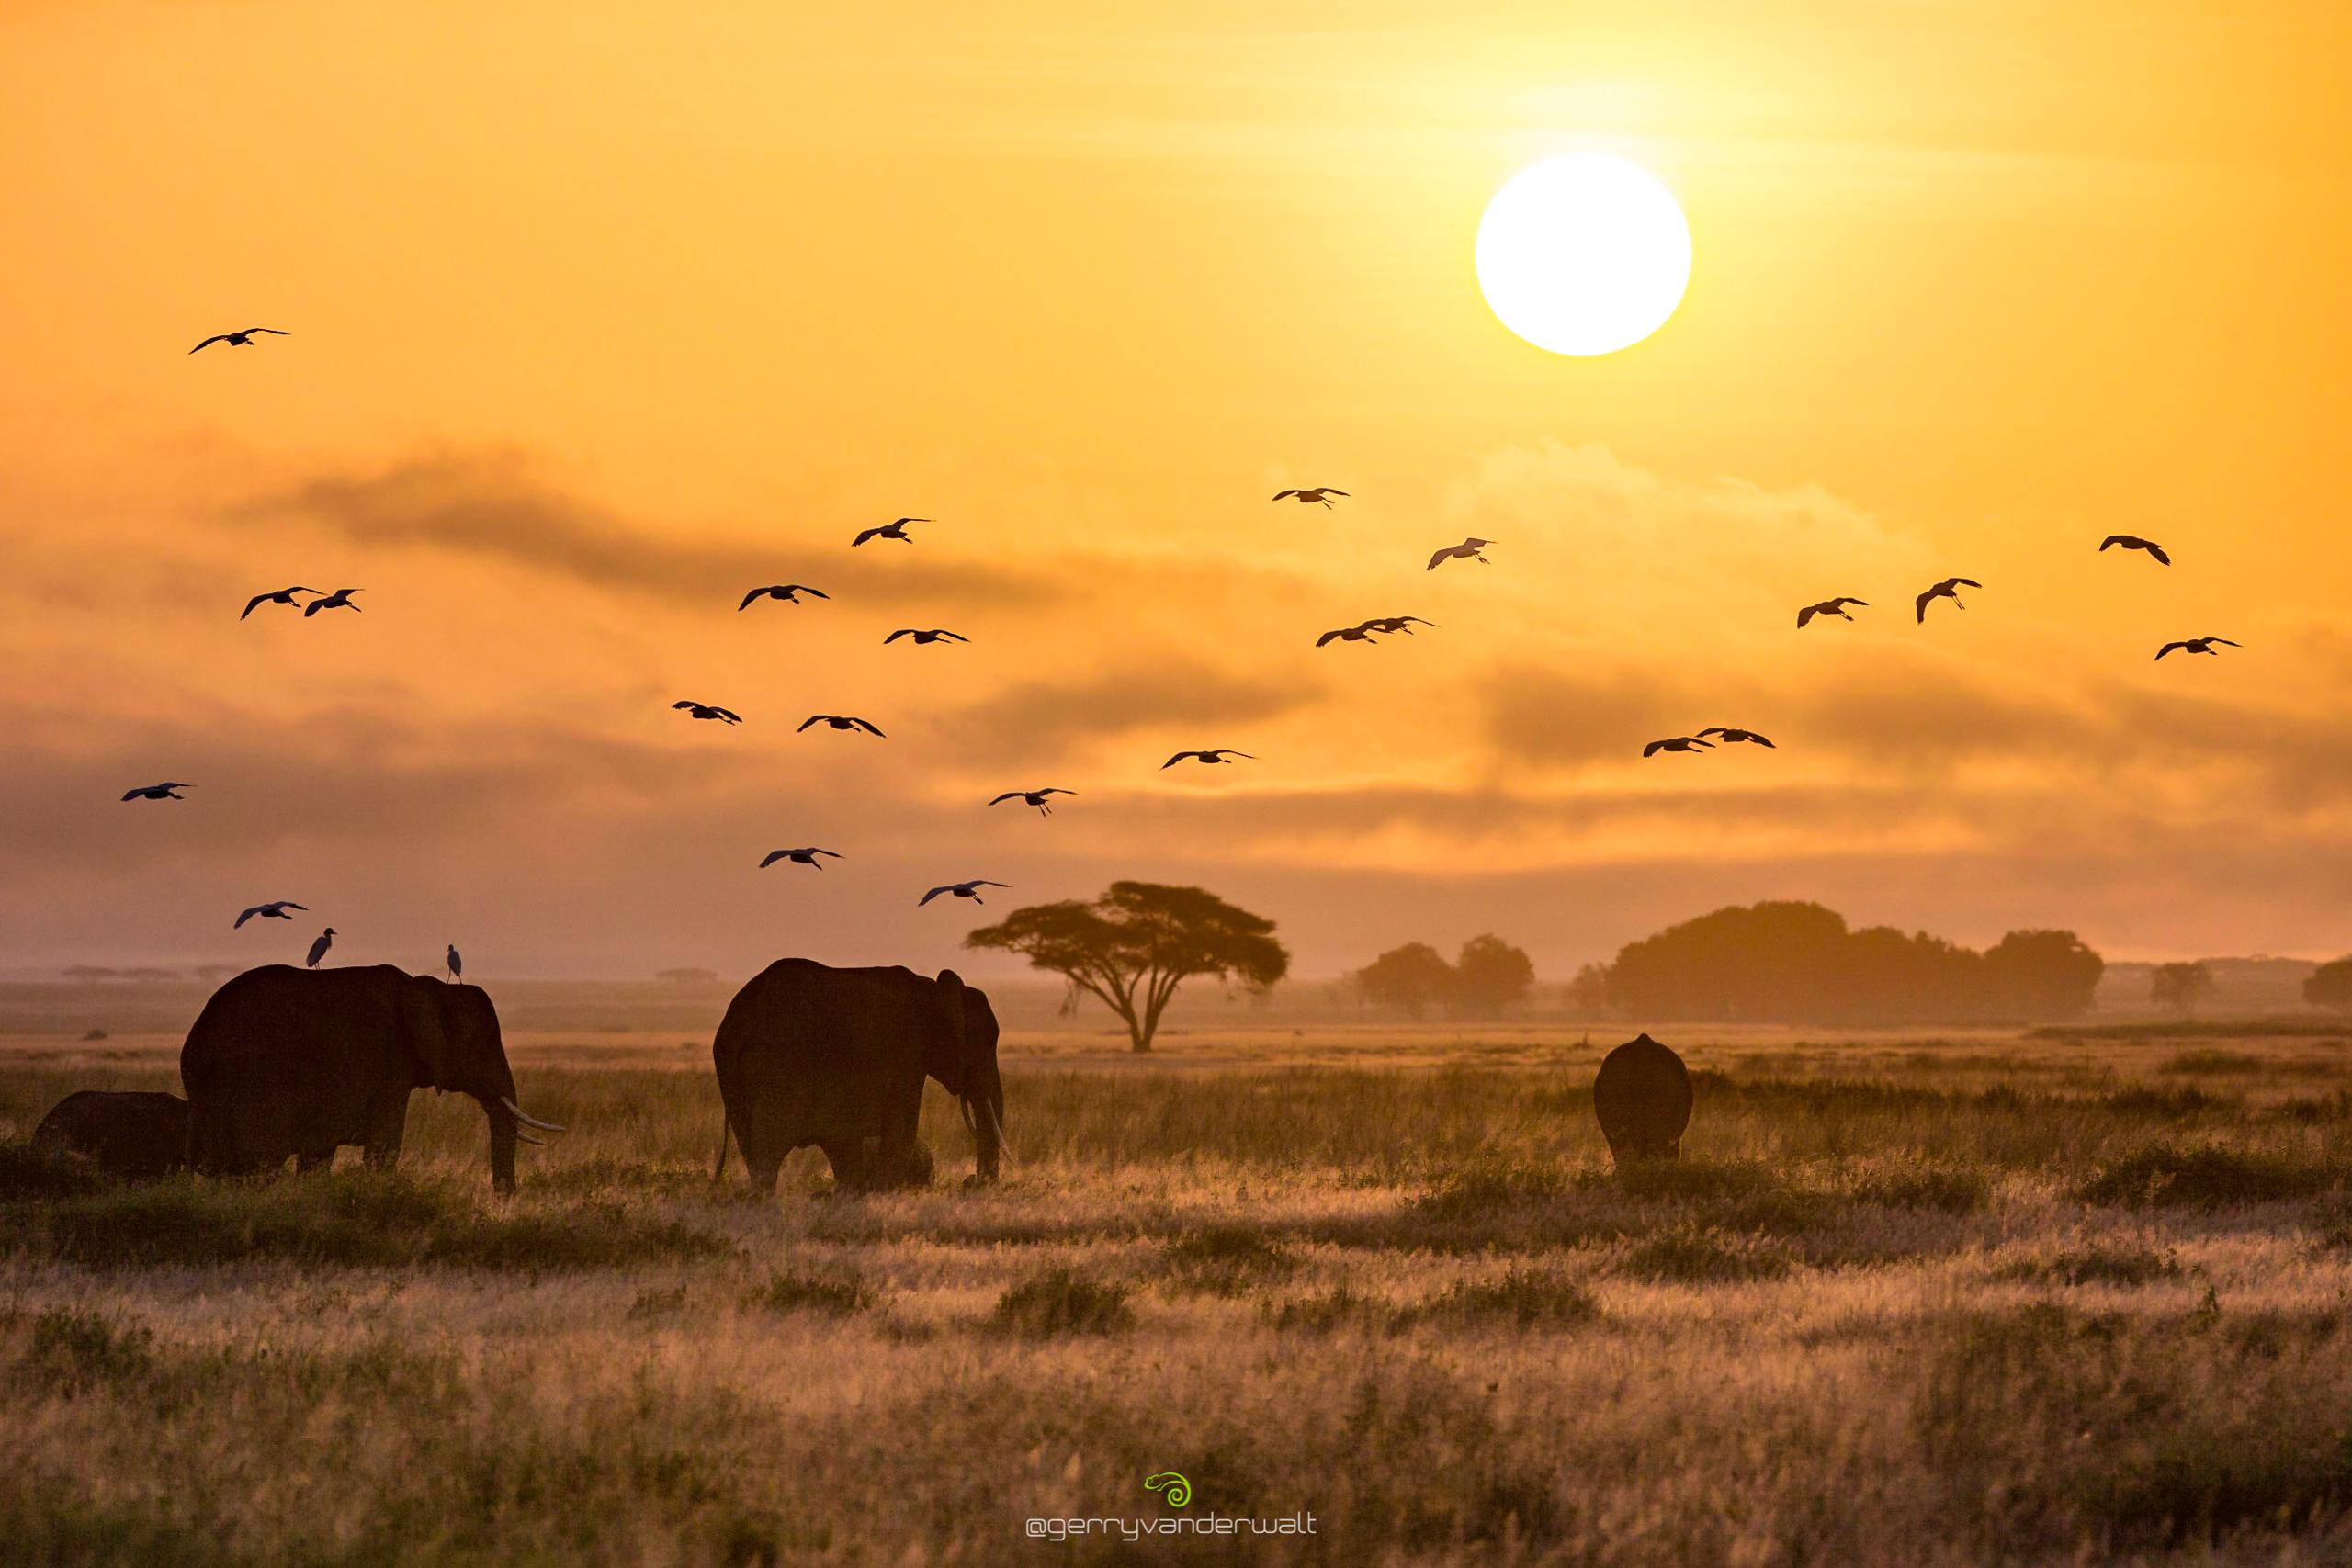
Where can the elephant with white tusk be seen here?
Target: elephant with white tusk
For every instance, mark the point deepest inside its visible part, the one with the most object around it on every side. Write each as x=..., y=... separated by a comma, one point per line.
x=809, y=1054
x=300, y=1062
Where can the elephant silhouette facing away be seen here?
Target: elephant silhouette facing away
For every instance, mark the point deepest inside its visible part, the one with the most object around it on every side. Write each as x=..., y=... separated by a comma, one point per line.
x=136, y=1136
x=1642, y=1099
x=809, y=1054
x=286, y=1061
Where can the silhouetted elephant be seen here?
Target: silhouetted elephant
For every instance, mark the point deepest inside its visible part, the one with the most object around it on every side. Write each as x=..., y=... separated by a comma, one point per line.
x=137, y=1136
x=1642, y=1097
x=285, y=1061
x=809, y=1054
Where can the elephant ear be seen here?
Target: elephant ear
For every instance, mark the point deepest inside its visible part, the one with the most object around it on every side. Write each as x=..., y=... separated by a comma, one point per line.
x=944, y=1050
x=424, y=1010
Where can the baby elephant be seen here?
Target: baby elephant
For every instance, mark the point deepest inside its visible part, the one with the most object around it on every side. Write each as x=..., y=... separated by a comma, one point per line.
x=1642, y=1097
x=134, y=1136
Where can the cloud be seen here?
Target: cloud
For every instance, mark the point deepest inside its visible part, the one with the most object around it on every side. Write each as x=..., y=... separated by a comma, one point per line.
x=1182, y=702
x=492, y=505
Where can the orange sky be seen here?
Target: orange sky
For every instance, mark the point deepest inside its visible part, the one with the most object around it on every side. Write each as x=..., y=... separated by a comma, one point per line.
x=604, y=313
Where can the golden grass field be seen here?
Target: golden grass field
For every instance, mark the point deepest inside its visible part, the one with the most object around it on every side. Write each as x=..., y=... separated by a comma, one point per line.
x=1972, y=1299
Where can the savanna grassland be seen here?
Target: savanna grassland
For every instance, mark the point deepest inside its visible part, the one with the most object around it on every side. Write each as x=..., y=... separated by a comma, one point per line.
x=1991, y=1298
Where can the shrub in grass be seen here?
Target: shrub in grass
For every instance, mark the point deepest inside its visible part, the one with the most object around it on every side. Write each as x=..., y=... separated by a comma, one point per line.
x=2195, y=1064
x=2205, y=1177
x=2129, y=1267
x=1228, y=1260
x=1342, y=1306
x=1525, y=1298
x=348, y=1218
x=1691, y=1254
x=1063, y=1301
x=836, y=1295
x=26, y=1172
x=72, y=1352
x=1487, y=1189
x=1945, y=1189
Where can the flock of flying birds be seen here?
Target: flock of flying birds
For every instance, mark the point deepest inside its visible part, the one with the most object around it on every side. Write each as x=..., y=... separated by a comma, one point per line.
x=1469, y=549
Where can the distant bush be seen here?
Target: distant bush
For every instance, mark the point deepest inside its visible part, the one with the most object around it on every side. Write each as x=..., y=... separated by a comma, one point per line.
x=25, y=1172
x=1525, y=1298
x=2125, y=1266
x=73, y=1352
x=1945, y=1189
x=836, y=1295
x=1227, y=1259
x=2205, y=1177
x=2189, y=1063
x=351, y=1218
x=1342, y=1306
x=1063, y=1301
x=1689, y=1254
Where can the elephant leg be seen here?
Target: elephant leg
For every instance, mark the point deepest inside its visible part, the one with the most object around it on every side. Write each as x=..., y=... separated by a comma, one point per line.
x=762, y=1162
x=387, y=1121
x=901, y=1160
x=851, y=1165
x=314, y=1159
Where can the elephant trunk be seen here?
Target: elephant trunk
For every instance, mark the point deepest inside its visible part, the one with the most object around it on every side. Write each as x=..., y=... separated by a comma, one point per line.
x=503, y=1127
x=984, y=1113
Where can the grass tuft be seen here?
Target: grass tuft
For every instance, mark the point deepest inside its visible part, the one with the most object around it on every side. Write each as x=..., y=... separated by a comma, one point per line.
x=1691, y=1254
x=2204, y=1176
x=834, y=1296
x=1063, y=1301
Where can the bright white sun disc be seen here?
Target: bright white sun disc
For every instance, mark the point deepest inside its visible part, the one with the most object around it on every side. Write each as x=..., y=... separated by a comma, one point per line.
x=1583, y=253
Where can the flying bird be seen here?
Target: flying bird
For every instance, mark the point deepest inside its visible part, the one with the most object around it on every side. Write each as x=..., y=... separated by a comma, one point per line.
x=1393, y=624
x=2187, y=645
x=709, y=710
x=784, y=591
x=1211, y=757
x=1734, y=737
x=1358, y=633
x=892, y=530
x=2133, y=541
x=1947, y=589
x=239, y=340
x=338, y=600
x=283, y=597
x=456, y=963
x=962, y=890
x=1677, y=743
x=1831, y=607
x=1035, y=798
x=839, y=721
x=318, y=947
x=1322, y=493
x=932, y=636
x=158, y=792
x=798, y=857
x=273, y=910
x=1466, y=551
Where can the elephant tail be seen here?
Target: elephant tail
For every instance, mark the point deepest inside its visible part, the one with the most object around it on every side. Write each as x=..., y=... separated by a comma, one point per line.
x=718, y=1171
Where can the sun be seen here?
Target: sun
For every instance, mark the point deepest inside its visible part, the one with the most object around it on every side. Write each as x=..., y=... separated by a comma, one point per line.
x=1583, y=253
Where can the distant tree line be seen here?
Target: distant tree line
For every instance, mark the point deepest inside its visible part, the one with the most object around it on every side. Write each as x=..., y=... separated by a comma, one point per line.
x=1488, y=978
x=2330, y=985
x=1799, y=963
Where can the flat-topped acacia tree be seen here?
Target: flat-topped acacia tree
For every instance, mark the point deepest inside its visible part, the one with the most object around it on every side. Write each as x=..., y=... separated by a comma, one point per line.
x=1137, y=943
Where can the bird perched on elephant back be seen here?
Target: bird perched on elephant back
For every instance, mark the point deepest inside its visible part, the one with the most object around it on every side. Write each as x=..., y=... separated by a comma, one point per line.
x=1642, y=1097
x=300, y=1062
x=136, y=1136
x=809, y=1054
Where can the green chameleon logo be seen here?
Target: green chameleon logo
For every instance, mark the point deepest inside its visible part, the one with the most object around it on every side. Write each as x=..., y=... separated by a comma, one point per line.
x=1179, y=1490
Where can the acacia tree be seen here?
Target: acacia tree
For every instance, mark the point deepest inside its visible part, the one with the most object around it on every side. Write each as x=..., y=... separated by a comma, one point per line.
x=1407, y=979
x=1134, y=945
x=2180, y=987
x=2330, y=985
x=1490, y=977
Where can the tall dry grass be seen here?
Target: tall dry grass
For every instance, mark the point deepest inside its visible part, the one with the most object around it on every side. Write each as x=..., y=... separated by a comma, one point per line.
x=1924, y=1312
